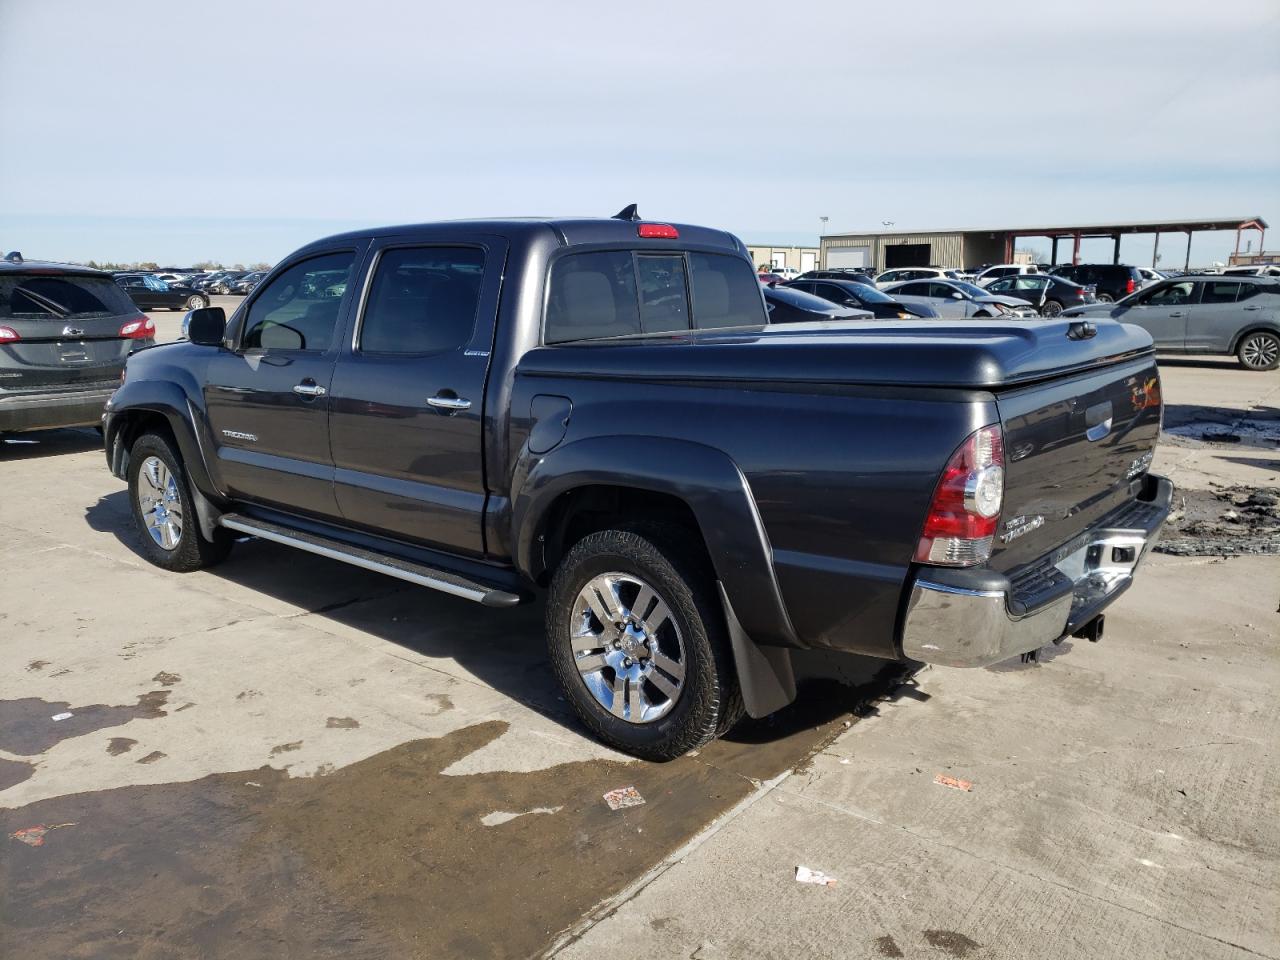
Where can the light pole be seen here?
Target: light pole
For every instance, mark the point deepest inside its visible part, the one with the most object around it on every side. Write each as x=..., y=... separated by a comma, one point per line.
x=821, y=232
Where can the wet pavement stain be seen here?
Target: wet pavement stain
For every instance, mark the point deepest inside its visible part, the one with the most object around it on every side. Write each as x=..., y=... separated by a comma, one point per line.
x=955, y=944
x=119, y=745
x=13, y=772
x=151, y=757
x=26, y=727
x=248, y=694
x=888, y=947
x=36, y=665
x=166, y=679
x=342, y=723
x=384, y=858
x=286, y=748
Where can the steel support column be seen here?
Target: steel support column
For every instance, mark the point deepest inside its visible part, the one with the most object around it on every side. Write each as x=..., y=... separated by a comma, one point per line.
x=1187, y=263
x=1155, y=252
x=1053, y=256
x=1115, y=256
x=1075, y=249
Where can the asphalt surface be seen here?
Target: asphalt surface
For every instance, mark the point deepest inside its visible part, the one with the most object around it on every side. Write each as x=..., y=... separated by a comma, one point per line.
x=286, y=756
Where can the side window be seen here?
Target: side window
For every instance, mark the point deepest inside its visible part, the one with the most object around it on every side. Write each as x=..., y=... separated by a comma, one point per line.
x=298, y=310
x=829, y=291
x=422, y=300
x=1248, y=290
x=1220, y=291
x=999, y=286
x=593, y=295
x=941, y=290
x=1175, y=294
x=725, y=294
x=664, y=300
x=914, y=290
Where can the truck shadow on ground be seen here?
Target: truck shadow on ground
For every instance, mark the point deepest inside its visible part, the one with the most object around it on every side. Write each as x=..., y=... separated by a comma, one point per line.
x=505, y=649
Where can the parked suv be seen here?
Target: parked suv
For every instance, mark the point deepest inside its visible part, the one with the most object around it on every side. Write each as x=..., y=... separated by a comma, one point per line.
x=1110, y=281
x=1206, y=314
x=65, y=332
x=599, y=412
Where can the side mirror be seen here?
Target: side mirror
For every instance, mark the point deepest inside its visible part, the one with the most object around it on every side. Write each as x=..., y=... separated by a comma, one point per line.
x=957, y=295
x=205, y=326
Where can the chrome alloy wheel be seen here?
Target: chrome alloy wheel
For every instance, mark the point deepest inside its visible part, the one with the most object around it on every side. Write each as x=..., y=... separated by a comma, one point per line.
x=159, y=503
x=627, y=647
x=1260, y=350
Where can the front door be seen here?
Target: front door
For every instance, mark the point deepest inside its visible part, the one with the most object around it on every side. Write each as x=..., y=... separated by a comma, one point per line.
x=407, y=415
x=1163, y=312
x=268, y=399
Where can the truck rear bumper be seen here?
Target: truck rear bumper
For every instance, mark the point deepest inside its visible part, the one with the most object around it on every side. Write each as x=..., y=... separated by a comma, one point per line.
x=972, y=618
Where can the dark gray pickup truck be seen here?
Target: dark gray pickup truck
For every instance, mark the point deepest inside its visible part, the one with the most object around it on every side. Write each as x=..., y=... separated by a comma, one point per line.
x=599, y=410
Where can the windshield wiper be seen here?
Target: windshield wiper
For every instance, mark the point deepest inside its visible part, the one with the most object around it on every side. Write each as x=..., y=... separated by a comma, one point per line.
x=40, y=300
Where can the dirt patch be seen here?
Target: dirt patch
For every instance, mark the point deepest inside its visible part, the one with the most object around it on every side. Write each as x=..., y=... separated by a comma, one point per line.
x=26, y=726
x=286, y=748
x=342, y=723
x=166, y=679
x=952, y=943
x=36, y=665
x=151, y=757
x=13, y=772
x=119, y=745
x=1229, y=521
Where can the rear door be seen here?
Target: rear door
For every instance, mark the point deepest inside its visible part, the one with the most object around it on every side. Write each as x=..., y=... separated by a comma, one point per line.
x=268, y=399
x=1218, y=316
x=407, y=420
x=62, y=330
x=1164, y=312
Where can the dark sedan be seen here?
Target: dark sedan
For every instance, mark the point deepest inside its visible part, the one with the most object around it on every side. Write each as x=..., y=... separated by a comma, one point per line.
x=860, y=296
x=1050, y=294
x=787, y=305
x=149, y=293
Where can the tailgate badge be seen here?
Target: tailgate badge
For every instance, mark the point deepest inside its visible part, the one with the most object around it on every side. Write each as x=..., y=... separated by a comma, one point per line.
x=1016, y=527
x=70, y=331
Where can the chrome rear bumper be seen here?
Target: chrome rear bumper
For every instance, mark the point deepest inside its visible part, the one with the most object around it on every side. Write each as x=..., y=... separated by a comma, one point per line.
x=957, y=626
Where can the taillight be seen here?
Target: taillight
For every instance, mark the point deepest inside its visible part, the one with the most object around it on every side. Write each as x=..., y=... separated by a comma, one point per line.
x=1079, y=292
x=8, y=335
x=1128, y=287
x=658, y=231
x=139, y=329
x=964, y=514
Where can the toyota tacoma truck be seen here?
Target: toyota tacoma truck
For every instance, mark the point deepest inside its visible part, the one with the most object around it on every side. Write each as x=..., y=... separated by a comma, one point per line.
x=598, y=411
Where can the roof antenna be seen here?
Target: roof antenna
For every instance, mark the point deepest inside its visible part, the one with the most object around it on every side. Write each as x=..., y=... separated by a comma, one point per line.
x=627, y=213
x=15, y=257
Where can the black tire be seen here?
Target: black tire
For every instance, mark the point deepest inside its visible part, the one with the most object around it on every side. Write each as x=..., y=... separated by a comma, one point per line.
x=1052, y=308
x=1106, y=298
x=667, y=560
x=1259, y=350
x=191, y=551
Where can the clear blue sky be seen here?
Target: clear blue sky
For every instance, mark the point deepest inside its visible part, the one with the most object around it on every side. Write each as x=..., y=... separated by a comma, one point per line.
x=239, y=131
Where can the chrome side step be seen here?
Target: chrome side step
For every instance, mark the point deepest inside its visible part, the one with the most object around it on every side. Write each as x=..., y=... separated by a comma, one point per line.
x=426, y=576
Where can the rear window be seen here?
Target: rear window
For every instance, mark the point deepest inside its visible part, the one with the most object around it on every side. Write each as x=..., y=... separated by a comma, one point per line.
x=618, y=293
x=61, y=298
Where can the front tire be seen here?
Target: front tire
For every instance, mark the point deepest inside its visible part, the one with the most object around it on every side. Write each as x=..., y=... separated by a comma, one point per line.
x=1259, y=350
x=163, y=511
x=637, y=640
x=1106, y=298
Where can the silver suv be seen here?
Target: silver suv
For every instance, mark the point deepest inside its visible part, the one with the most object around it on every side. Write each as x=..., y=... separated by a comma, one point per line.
x=1205, y=314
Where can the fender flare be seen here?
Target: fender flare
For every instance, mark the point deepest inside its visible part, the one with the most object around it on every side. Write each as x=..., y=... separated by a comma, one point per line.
x=717, y=492
x=170, y=401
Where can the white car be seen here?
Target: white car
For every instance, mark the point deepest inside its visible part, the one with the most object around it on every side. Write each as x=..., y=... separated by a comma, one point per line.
x=996, y=271
x=903, y=274
x=1262, y=270
x=791, y=273
x=1150, y=276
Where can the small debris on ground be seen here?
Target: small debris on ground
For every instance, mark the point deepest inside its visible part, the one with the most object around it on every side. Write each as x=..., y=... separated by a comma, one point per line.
x=61, y=716
x=1226, y=522
x=34, y=836
x=805, y=875
x=954, y=782
x=623, y=797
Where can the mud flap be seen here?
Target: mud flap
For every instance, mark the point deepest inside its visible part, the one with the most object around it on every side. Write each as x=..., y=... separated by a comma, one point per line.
x=765, y=674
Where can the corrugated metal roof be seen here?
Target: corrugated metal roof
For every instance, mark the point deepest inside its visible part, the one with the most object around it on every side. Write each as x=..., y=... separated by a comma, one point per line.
x=1103, y=229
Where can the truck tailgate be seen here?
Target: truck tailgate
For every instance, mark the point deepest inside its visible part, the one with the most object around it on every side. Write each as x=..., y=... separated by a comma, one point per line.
x=1075, y=449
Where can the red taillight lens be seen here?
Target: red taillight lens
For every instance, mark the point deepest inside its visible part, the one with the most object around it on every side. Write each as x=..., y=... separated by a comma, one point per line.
x=964, y=514
x=139, y=329
x=8, y=335
x=1128, y=287
x=658, y=231
x=1079, y=291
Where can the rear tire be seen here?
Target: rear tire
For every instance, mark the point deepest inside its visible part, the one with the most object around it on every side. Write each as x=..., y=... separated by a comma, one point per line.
x=1052, y=308
x=163, y=511
x=1106, y=298
x=1259, y=350
x=670, y=697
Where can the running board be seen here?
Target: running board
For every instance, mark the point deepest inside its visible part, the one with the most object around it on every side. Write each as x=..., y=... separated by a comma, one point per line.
x=426, y=576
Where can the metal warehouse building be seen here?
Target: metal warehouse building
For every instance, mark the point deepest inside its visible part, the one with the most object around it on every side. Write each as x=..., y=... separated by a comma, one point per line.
x=971, y=248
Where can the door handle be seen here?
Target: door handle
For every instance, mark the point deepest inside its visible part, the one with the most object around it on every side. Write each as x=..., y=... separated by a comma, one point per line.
x=1254, y=307
x=1178, y=314
x=308, y=388
x=449, y=404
